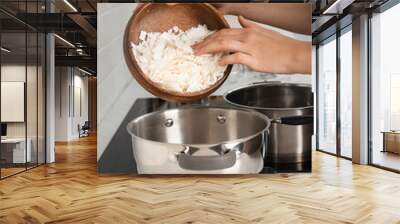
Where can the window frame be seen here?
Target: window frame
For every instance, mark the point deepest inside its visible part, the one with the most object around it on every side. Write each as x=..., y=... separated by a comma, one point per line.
x=333, y=37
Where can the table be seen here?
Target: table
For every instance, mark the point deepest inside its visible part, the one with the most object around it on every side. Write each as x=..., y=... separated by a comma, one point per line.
x=391, y=141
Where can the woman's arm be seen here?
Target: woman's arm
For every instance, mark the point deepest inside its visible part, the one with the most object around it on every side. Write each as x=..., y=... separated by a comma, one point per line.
x=260, y=49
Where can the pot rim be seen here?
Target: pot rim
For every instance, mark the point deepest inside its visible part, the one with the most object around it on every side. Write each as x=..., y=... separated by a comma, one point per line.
x=266, y=108
x=243, y=139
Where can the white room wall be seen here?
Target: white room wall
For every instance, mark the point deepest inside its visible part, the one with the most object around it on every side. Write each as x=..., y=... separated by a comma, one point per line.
x=62, y=80
x=66, y=119
x=117, y=89
x=80, y=117
x=16, y=73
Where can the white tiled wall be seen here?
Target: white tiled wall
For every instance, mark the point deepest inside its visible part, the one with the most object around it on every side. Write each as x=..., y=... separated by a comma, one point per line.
x=117, y=90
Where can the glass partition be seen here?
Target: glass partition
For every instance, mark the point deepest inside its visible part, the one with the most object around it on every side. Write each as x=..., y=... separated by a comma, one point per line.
x=32, y=87
x=22, y=77
x=14, y=153
x=32, y=97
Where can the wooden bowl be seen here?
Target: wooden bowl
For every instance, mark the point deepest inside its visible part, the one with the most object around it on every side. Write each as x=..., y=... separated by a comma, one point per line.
x=153, y=17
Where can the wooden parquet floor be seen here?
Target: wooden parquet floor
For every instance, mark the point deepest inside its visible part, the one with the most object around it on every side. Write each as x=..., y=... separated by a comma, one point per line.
x=70, y=191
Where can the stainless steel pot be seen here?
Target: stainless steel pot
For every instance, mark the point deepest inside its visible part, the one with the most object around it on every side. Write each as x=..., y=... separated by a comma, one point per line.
x=290, y=106
x=199, y=140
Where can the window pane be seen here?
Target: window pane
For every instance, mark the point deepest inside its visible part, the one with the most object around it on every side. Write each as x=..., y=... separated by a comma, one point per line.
x=327, y=97
x=385, y=85
x=346, y=94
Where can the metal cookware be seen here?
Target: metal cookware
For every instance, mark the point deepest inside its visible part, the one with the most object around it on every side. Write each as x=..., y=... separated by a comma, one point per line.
x=290, y=106
x=199, y=140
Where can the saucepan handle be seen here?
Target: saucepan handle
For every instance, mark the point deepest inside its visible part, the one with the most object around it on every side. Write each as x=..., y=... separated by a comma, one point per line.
x=296, y=120
x=226, y=158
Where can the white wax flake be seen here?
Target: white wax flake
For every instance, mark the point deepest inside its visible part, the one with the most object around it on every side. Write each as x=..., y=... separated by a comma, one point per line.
x=167, y=59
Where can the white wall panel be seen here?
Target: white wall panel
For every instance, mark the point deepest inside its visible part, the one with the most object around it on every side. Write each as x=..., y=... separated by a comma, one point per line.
x=12, y=101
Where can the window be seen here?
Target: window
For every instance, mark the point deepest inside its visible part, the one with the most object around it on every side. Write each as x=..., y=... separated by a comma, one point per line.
x=385, y=88
x=346, y=93
x=334, y=106
x=327, y=96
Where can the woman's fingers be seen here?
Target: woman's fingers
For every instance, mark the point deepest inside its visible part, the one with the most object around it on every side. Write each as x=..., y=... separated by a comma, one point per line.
x=221, y=45
x=219, y=35
x=237, y=58
x=220, y=40
x=226, y=40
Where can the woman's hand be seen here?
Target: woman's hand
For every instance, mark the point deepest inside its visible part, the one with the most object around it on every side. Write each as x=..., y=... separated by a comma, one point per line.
x=260, y=49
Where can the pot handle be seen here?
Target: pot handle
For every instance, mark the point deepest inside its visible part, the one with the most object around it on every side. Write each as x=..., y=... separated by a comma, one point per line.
x=225, y=159
x=296, y=120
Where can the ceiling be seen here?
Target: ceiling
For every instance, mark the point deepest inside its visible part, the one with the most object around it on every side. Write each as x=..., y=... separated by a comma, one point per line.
x=74, y=22
x=331, y=16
